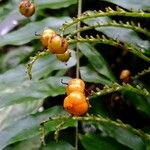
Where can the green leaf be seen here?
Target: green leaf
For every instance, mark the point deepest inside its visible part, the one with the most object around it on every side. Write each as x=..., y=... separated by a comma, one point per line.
x=32, y=144
x=55, y=4
x=30, y=91
x=89, y=74
x=98, y=107
x=15, y=56
x=9, y=22
x=139, y=101
x=125, y=35
x=45, y=65
x=42, y=67
x=97, y=61
x=21, y=36
x=28, y=127
x=9, y=114
x=120, y=33
x=95, y=142
x=122, y=135
x=134, y=4
x=58, y=146
x=9, y=16
x=13, y=16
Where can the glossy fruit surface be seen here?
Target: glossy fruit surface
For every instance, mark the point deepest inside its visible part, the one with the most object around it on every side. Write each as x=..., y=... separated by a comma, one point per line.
x=75, y=85
x=45, y=36
x=125, y=75
x=27, y=8
x=76, y=103
x=57, y=44
x=64, y=57
x=77, y=81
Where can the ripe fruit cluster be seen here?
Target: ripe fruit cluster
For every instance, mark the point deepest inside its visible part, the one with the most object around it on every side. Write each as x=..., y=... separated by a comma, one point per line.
x=27, y=8
x=76, y=103
x=55, y=44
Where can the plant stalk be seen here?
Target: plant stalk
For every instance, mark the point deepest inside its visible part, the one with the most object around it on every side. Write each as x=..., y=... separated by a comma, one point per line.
x=78, y=35
x=78, y=63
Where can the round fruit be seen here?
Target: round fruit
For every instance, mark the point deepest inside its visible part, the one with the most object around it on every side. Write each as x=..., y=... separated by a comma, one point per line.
x=125, y=75
x=57, y=44
x=77, y=81
x=45, y=36
x=76, y=103
x=27, y=8
x=75, y=85
x=64, y=57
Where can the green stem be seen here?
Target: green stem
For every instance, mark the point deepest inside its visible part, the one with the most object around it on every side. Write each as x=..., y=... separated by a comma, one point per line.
x=100, y=119
x=58, y=128
x=32, y=61
x=78, y=35
x=116, y=87
x=142, y=73
x=109, y=12
x=126, y=46
x=132, y=26
x=76, y=137
x=78, y=63
x=42, y=132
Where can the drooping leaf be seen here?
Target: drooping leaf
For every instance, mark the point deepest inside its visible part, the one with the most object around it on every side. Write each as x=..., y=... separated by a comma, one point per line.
x=89, y=74
x=32, y=144
x=95, y=142
x=16, y=87
x=30, y=91
x=55, y=4
x=98, y=107
x=9, y=114
x=15, y=56
x=42, y=67
x=58, y=146
x=28, y=127
x=120, y=33
x=97, y=61
x=11, y=20
x=140, y=102
x=10, y=16
x=134, y=4
x=123, y=136
x=126, y=35
x=21, y=36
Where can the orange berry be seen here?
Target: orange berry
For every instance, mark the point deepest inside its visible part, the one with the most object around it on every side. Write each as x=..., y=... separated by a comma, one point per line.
x=27, y=8
x=75, y=85
x=76, y=103
x=125, y=75
x=57, y=44
x=64, y=57
x=45, y=36
x=77, y=81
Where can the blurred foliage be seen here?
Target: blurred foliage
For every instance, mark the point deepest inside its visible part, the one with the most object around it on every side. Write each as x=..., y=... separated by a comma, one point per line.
x=111, y=40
